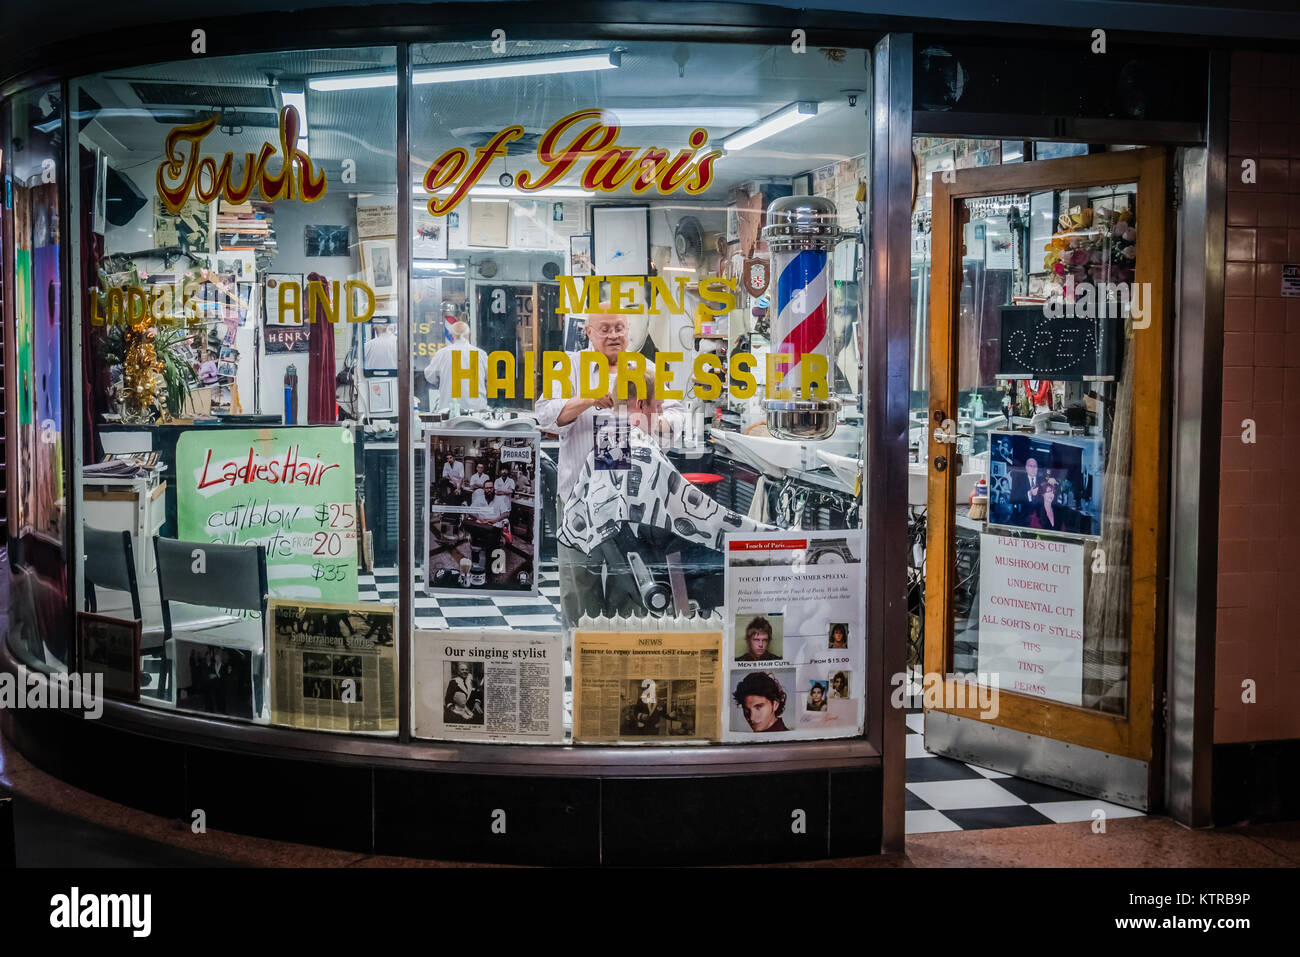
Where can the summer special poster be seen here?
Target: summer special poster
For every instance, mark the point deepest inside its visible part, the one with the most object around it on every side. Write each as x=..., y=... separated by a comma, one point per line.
x=795, y=649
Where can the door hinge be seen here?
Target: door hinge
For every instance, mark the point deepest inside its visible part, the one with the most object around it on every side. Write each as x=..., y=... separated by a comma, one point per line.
x=1176, y=189
x=1164, y=709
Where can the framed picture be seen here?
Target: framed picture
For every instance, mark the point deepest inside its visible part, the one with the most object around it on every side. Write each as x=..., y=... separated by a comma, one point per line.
x=111, y=647
x=1111, y=204
x=429, y=239
x=326, y=241
x=379, y=347
x=1042, y=226
x=620, y=240
x=214, y=679
x=379, y=264
x=238, y=263
x=382, y=396
x=575, y=334
x=530, y=224
x=489, y=224
x=332, y=665
x=1040, y=285
x=482, y=684
x=998, y=248
x=286, y=338
x=482, y=512
x=271, y=300
x=580, y=255
x=248, y=304
x=376, y=222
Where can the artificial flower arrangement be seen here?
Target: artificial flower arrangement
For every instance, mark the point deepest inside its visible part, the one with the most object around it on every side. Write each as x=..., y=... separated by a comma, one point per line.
x=156, y=375
x=1099, y=248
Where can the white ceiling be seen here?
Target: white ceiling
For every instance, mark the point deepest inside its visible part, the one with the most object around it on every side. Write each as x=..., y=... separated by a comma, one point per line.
x=360, y=124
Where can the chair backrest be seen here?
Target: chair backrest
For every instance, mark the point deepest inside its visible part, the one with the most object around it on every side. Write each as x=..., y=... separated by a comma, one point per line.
x=110, y=563
x=216, y=576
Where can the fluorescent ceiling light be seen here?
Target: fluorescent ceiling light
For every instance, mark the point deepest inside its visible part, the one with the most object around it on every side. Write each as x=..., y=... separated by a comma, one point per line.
x=298, y=100
x=475, y=70
x=728, y=116
x=353, y=81
x=423, y=265
x=509, y=192
x=510, y=67
x=782, y=119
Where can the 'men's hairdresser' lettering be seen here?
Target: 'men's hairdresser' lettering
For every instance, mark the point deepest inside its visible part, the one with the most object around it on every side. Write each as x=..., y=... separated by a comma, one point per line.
x=630, y=372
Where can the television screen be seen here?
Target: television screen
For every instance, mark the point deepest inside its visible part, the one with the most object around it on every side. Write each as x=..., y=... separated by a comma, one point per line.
x=1046, y=483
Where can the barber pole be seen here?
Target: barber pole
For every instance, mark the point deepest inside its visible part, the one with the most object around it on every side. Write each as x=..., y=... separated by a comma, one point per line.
x=801, y=309
x=800, y=233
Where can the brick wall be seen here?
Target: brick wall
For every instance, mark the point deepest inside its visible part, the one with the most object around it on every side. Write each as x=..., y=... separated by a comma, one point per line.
x=1258, y=635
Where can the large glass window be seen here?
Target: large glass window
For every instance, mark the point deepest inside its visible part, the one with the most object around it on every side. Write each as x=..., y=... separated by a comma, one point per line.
x=585, y=204
x=234, y=459
x=37, y=494
x=632, y=300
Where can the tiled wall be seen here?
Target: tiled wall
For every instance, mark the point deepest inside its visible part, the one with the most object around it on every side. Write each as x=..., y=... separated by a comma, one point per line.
x=1258, y=635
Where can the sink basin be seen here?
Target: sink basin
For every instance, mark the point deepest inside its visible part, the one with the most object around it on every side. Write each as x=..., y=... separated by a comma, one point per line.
x=918, y=484
x=779, y=457
x=845, y=467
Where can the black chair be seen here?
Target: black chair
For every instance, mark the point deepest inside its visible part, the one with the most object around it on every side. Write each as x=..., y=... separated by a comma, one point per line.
x=110, y=563
x=231, y=576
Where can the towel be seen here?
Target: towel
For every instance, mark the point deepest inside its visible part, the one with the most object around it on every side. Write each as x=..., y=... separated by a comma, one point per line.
x=649, y=492
x=758, y=507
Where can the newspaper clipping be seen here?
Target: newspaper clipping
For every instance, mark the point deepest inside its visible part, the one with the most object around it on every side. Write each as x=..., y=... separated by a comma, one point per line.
x=653, y=686
x=333, y=666
x=478, y=685
x=796, y=652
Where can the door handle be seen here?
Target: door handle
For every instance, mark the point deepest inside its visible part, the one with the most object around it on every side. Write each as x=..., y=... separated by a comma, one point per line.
x=940, y=463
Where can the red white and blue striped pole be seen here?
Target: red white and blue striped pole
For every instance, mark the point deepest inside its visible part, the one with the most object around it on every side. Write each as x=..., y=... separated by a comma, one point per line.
x=801, y=231
x=802, y=308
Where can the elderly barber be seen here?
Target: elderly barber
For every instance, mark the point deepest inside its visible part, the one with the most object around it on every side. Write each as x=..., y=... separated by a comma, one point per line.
x=575, y=418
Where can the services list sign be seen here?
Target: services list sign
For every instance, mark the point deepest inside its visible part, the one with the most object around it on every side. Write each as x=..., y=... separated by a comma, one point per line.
x=1031, y=616
x=292, y=490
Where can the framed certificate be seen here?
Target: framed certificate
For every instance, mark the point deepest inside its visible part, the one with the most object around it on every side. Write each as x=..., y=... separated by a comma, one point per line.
x=489, y=224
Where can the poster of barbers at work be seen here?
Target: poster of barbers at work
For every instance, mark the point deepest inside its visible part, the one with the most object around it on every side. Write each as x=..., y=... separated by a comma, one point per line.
x=482, y=512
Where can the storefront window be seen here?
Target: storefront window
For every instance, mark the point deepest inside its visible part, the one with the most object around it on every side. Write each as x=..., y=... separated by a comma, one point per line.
x=615, y=205
x=237, y=485
x=635, y=397
x=37, y=495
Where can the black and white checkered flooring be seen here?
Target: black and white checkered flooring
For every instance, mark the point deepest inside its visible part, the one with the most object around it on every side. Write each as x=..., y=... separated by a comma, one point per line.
x=527, y=612
x=948, y=795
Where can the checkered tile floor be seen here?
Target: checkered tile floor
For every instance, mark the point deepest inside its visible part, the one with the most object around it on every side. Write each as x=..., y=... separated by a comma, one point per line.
x=948, y=795
x=526, y=612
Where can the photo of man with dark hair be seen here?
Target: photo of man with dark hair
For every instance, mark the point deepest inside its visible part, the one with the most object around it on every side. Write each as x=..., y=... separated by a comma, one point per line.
x=816, y=697
x=758, y=641
x=762, y=700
